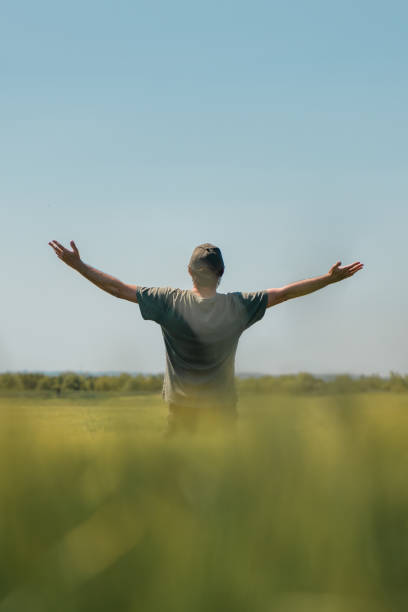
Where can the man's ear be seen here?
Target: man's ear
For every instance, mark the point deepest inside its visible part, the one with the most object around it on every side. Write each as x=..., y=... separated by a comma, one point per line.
x=189, y=271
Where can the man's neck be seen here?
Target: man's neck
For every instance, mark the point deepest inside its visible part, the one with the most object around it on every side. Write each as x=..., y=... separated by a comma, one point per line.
x=204, y=292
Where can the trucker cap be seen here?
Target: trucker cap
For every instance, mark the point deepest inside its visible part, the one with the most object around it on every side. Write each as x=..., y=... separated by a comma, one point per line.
x=207, y=256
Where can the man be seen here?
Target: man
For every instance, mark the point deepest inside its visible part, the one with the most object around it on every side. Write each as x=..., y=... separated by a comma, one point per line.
x=201, y=328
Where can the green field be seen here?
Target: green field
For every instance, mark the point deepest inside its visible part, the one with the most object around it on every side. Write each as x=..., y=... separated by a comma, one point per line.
x=304, y=508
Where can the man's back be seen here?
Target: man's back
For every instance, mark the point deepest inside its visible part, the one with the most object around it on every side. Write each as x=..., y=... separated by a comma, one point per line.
x=201, y=337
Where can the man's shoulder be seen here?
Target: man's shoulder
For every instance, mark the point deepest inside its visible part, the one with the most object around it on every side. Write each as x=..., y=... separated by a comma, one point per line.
x=156, y=291
x=244, y=296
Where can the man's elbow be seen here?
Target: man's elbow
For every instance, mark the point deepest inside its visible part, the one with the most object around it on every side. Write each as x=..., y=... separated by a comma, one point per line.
x=112, y=290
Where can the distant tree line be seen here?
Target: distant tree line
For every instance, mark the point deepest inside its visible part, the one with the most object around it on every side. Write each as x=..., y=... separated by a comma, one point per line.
x=126, y=383
x=71, y=381
x=307, y=383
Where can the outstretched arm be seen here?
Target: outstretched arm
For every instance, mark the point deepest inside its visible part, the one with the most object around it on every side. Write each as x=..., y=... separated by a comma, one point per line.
x=334, y=275
x=108, y=283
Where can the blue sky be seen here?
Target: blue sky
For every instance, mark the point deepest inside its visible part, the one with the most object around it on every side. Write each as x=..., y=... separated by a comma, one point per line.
x=275, y=130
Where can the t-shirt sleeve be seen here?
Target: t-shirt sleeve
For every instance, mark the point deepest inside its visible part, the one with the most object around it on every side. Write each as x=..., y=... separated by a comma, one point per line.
x=255, y=304
x=153, y=302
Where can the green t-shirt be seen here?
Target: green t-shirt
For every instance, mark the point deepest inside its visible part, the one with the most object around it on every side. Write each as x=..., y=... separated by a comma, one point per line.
x=201, y=337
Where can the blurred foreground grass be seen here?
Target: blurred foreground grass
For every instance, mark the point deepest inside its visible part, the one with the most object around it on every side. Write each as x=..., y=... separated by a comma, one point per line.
x=304, y=508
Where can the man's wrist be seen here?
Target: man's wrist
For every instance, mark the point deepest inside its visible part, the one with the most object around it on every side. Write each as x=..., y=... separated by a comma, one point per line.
x=79, y=266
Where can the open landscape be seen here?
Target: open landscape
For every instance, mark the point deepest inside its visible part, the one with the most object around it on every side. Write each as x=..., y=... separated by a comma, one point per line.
x=199, y=201
x=304, y=507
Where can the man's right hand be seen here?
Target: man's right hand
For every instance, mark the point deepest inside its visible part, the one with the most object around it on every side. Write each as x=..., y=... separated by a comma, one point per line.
x=71, y=258
x=108, y=283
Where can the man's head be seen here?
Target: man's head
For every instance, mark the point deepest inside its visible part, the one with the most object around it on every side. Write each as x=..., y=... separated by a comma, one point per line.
x=206, y=265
